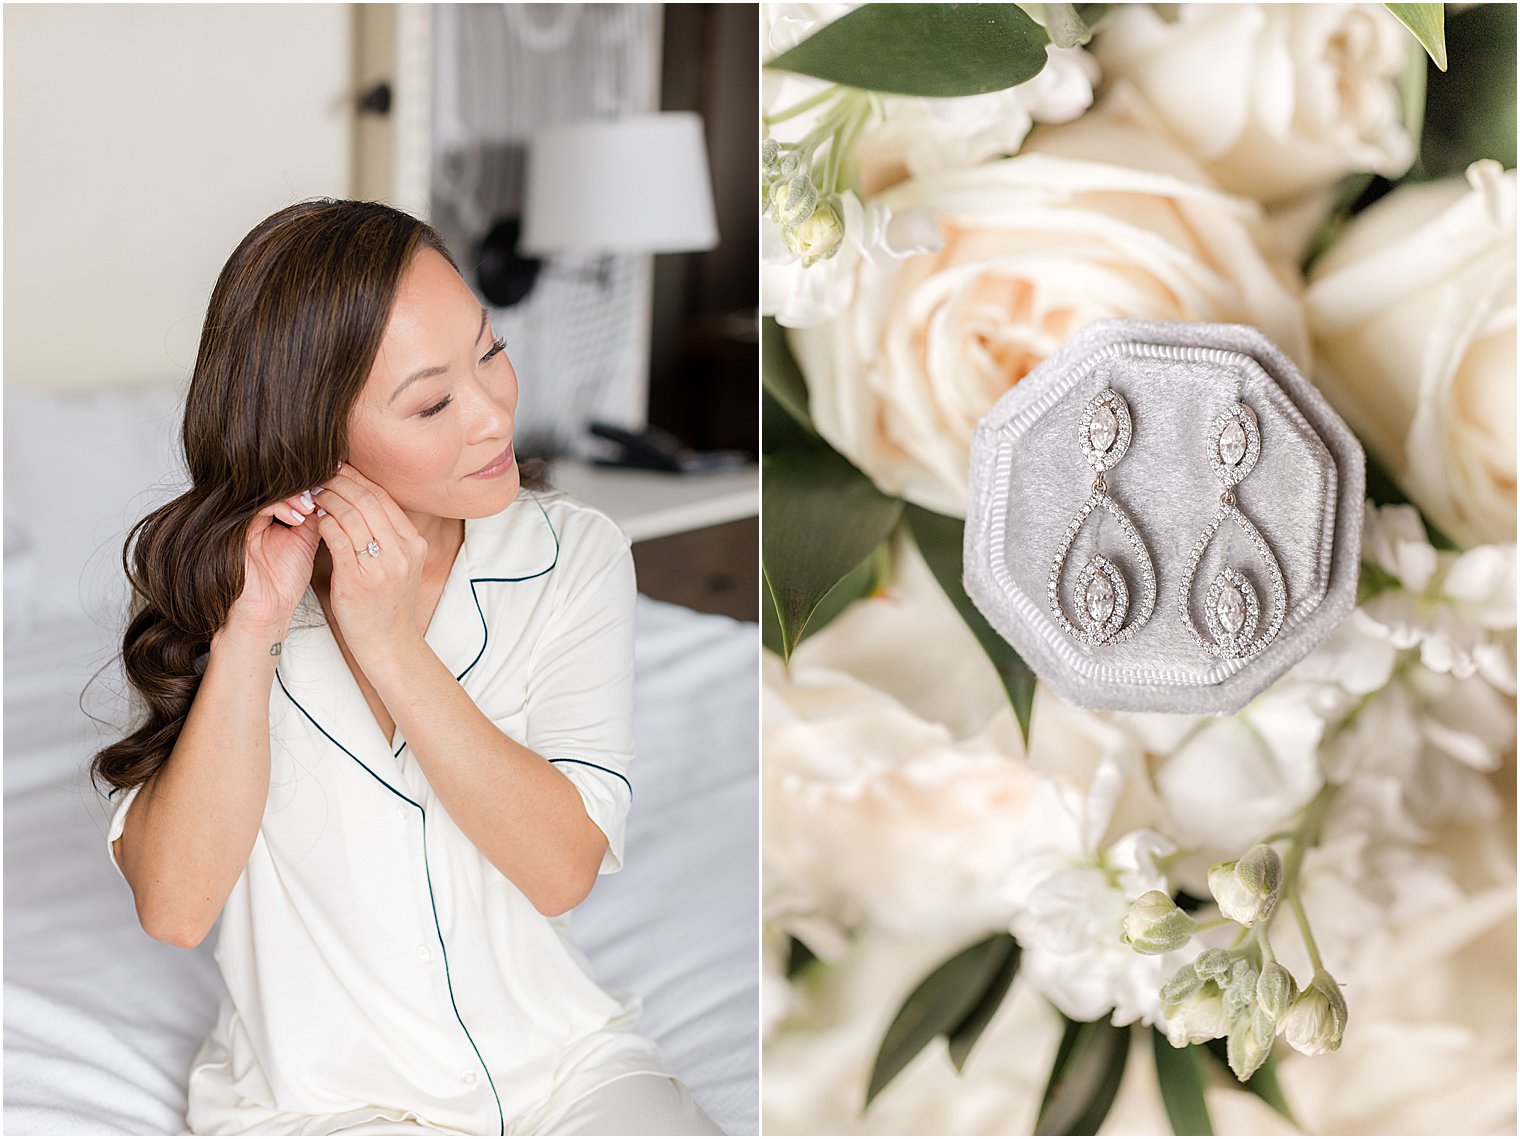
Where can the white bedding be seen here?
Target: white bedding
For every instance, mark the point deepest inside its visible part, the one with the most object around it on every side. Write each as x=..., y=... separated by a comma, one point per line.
x=101, y=1021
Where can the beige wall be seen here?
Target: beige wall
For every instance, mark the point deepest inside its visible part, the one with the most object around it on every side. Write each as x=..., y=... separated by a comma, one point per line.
x=141, y=143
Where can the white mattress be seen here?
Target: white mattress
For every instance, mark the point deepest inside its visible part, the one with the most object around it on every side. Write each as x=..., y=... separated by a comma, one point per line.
x=101, y=1021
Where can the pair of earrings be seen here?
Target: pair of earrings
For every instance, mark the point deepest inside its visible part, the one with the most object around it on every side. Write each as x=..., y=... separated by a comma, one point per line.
x=1231, y=610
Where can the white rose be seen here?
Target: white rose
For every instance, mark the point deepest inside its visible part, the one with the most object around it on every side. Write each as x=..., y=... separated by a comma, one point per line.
x=893, y=767
x=1095, y=219
x=1413, y=318
x=1272, y=100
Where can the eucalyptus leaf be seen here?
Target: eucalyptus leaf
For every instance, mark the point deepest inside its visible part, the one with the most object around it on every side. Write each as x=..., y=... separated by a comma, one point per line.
x=941, y=540
x=1262, y=1084
x=1179, y=1071
x=1084, y=1078
x=822, y=517
x=966, y=1034
x=933, y=50
x=1428, y=23
x=942, y=1003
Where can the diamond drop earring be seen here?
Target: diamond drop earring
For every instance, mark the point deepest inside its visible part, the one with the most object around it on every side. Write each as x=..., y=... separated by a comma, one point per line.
x=1231, y=610
x=1102, y=597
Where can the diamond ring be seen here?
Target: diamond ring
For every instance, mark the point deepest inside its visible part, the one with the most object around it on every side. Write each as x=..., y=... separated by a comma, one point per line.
x=373, y=549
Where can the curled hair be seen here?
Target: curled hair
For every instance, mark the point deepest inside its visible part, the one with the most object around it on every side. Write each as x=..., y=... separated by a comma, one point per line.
x=293, y=327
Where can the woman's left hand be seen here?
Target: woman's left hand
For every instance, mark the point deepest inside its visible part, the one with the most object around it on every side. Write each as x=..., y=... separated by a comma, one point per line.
x=373, y=598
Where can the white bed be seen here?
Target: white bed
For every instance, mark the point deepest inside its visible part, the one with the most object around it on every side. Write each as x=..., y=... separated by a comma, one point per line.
x=101, y=1021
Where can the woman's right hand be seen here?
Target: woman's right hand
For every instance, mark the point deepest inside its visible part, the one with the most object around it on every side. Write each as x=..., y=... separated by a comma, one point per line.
x=277, y=560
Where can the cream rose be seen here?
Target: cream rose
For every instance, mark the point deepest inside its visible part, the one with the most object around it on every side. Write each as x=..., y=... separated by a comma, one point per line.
x=1272, y=100
x=893, y=769
x=1413, y=318
x=1096, y=218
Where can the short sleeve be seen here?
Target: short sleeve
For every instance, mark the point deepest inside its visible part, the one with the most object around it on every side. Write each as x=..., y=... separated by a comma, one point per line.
x=118, y=824
x=580, y=682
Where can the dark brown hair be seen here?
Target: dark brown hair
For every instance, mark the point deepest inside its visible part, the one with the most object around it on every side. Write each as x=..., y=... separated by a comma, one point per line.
x=291, y=332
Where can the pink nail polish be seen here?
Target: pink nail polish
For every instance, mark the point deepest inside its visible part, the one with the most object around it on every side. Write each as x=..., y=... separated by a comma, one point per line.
x=321, y=513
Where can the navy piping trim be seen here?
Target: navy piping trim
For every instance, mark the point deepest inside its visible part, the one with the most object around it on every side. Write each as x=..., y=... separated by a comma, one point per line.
x=599, y=767
x=432, y=901
x=485, y=629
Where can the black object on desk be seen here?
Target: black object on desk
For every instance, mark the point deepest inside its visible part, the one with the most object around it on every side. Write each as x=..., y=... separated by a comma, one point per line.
x=655, y=449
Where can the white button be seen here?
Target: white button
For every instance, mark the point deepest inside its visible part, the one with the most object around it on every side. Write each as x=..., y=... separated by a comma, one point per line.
x=424, y=953
x=470, y=1076
x=401, y=812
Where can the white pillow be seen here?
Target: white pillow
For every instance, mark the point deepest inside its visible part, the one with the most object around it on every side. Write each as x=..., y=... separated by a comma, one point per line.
x=80, y=468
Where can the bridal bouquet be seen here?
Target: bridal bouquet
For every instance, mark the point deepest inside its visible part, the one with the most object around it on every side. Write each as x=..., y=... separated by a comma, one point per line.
x=987, y=911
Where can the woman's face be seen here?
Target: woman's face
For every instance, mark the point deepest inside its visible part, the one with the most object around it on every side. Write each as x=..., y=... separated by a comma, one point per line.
x=433, y=424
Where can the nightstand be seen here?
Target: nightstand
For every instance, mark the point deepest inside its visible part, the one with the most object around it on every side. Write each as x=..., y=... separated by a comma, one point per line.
x=696, y=537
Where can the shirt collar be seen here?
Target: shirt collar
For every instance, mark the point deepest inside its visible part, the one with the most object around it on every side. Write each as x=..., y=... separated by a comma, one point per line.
x=518, y=544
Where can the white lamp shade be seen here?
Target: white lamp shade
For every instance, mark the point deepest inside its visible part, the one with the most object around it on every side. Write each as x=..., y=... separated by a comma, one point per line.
x=632, y=185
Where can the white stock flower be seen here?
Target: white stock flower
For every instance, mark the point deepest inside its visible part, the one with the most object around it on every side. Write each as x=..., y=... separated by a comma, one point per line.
x=1070, y=895
x=1449, y=605
x=1227, y=781
x=893, y=767
x=1413, y=317
x=1094, y=219
x=800, y=295
x=1272, y=100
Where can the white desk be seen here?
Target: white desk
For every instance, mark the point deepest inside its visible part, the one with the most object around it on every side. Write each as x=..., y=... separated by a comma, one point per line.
x=655, y=504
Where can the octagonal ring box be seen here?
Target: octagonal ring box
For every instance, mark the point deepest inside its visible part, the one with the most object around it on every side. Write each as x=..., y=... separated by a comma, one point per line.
x=1299, y=476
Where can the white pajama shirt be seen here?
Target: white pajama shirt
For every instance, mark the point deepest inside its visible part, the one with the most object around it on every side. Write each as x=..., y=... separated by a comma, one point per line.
x=377, y=965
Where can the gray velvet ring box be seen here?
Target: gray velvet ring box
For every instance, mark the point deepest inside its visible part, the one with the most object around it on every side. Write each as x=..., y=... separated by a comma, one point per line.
x=1030, y=480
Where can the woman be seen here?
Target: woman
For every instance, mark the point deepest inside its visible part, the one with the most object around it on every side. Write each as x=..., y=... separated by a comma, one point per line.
x=388, y=714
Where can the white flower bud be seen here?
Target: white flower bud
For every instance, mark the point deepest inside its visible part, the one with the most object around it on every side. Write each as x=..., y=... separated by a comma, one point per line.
x=1275, y=991
x=789, y=164
x=1213, y=964
x=770, y=157
x=1247, y=889
x=818, y=238
x=1154, y=924
x=1183, y=983
x=1240, y=992
x=792, y=202
x=1317, y=1020
x=1250, y=1043
x=1197, y=1017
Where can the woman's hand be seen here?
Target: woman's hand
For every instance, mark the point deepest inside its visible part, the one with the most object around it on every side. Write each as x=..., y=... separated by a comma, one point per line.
x=373, y=598
x=277, y=561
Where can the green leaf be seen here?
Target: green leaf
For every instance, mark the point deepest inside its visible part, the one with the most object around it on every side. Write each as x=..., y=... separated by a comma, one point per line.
x=943, y=1002
x=859, y=583
x=1084, y=1079
x=822, y=517
x=780, y=375
x=964, y=1035
x=1179, y=1071
x=1470, y=110
x=934, y=50
x=798, y=956
x=1428, y=23
x=941, y=540
x=1263, y=1084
